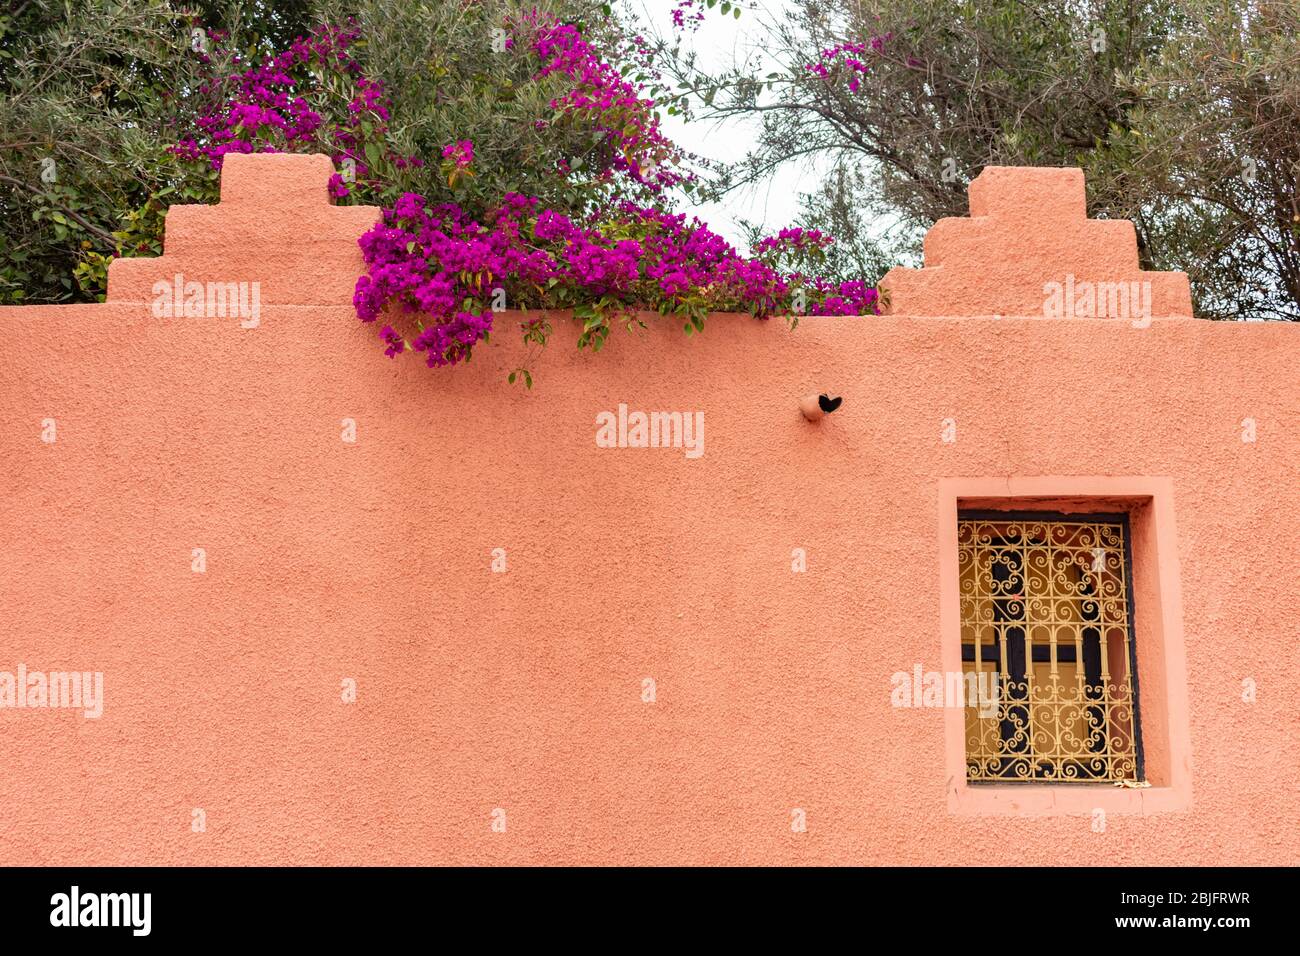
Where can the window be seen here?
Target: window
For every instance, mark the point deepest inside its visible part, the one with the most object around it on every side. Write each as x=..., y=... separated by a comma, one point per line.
x=1046, y=605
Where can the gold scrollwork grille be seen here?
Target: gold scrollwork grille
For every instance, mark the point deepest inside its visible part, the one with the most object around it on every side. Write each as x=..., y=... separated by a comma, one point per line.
x=1046, y=606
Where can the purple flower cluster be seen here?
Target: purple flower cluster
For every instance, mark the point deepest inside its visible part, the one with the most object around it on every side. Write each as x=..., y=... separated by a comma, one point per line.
x=793, y=239
x=394, y=343
x=261, y=109
x=611, y=104
x=686, y=14
x=847, y=54
x=444, y=269
x=436, y=261
x=460, y=153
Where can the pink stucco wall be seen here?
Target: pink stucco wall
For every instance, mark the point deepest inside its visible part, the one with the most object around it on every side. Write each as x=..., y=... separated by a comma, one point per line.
x=522, y=690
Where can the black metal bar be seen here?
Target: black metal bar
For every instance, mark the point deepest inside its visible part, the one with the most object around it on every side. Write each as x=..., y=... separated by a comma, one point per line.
x=1042, y=654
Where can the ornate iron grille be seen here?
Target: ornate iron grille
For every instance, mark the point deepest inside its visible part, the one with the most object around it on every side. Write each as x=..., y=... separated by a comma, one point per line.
x=1046, y=605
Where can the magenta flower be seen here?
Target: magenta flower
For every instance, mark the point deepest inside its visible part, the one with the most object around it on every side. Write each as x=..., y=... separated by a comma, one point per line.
x=395, y=343
x=687, y=14
x=460, y=153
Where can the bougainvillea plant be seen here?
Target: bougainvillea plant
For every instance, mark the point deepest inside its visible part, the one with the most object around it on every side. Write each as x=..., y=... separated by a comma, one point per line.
x=278, y=105
x=446, y=260
x=450, y=274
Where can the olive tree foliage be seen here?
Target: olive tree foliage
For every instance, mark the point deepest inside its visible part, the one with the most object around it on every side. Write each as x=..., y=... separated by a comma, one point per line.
x=1210, y=163
x=91, y=93
x=1182, y=113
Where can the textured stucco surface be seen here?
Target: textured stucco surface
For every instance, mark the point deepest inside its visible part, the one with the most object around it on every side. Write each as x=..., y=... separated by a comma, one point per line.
x=522, y=690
